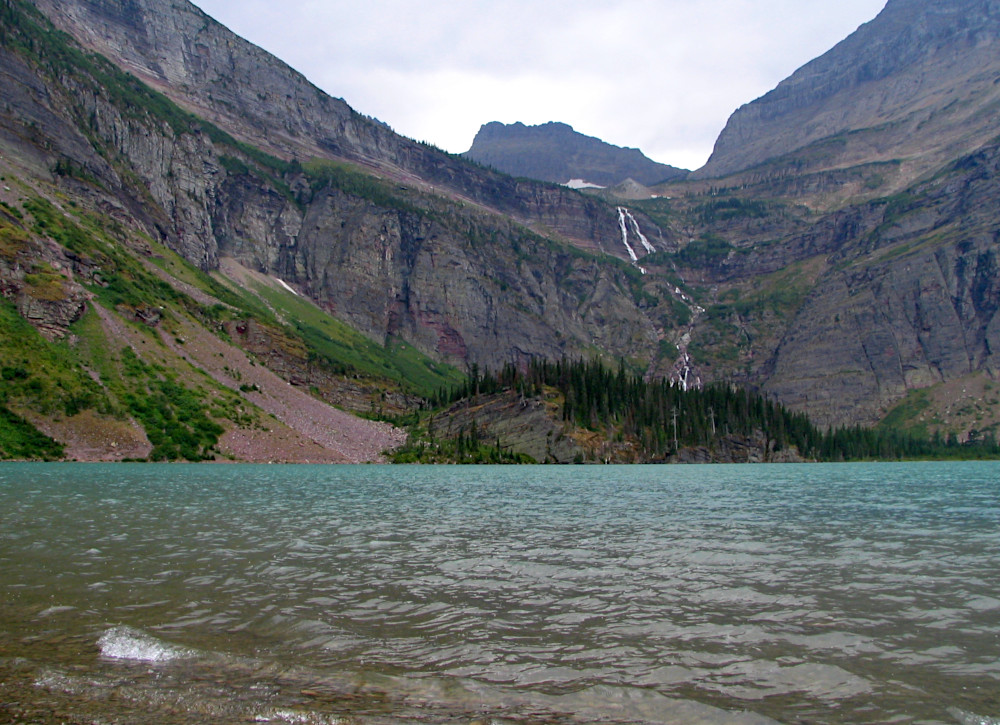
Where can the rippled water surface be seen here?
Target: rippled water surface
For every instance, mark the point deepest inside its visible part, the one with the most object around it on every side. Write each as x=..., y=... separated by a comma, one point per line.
x=376, y=594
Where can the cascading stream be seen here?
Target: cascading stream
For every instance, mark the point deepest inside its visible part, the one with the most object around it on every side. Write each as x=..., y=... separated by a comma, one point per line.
x=624, y=227
x=683, y=373
x=638, y=232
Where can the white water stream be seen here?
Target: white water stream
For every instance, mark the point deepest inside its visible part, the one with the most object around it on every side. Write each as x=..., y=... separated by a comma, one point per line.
x=624, y=227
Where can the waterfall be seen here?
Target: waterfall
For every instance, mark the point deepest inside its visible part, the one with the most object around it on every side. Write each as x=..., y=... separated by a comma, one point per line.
x=622, y=211
x=623, y=225
x=638, y=232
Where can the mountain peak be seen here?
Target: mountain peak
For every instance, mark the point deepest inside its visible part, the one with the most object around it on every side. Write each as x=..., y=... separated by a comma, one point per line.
x=903, y=79
x=555, y=152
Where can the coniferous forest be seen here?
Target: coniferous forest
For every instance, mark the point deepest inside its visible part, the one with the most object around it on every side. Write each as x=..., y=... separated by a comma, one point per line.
x=661, y=419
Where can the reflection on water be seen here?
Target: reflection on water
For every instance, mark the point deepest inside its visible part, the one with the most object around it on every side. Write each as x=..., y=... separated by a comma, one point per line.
x=716, y=594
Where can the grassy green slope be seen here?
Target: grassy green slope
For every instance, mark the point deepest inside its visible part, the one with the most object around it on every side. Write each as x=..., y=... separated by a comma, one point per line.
x=182, y=412
x=345, y=348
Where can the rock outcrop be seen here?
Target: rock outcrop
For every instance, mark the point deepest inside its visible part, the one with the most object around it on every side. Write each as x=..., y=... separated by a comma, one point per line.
x=910, y=301
x=555, y=152
x=39, y=277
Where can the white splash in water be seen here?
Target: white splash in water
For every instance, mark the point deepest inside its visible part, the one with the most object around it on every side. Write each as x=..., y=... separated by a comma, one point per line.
x=126, y=643
x=55, y=610
x=297, y=717
x=968, y=718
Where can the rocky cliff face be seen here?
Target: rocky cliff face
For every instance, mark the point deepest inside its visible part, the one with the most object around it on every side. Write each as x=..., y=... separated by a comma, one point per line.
x=915, y=85
x=840, y=314
x=481, y=293
x=555, y=152
x=204, y=67
x=844, y=314
x=182, y=52
x=460, y=281
x=910, y=302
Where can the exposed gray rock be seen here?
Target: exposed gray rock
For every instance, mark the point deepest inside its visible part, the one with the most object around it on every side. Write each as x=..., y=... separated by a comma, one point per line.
x=257, y=98
x=912, y=300
x=461, y=283
x=555, y=152
x=470, y=265
x=916, y=83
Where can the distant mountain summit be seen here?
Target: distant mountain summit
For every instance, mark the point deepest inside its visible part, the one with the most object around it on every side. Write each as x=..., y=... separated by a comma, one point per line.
x=916, y=87
x=555, y=152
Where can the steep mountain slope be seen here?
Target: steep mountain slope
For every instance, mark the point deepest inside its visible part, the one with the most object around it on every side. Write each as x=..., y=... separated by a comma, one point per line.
x=845, y=314
x=117, y=349
x=93, y=160
x=843, y=236
x=555, y=152
x=371, y=250
x=911, y=302
x=911, y=90
x=201, y=65
x=159, y=243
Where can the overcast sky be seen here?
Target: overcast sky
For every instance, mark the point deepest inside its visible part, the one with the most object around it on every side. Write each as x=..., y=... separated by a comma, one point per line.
x=659, y=75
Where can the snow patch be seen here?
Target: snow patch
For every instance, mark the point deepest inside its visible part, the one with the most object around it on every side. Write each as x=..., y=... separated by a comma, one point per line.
x=284, y=284
x=582, y=184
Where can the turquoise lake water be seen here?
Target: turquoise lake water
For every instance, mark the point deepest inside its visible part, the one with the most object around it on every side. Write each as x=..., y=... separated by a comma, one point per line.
x=850, y=593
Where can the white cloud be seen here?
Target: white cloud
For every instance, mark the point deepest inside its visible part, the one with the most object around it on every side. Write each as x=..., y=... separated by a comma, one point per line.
x=660, y=75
